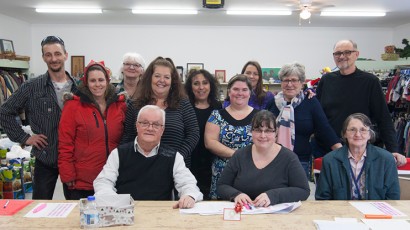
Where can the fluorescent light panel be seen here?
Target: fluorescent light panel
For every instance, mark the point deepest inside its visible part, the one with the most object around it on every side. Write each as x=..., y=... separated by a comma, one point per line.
x=259, y=12
x=164, y=11
x=353, y=13
x=69, y=10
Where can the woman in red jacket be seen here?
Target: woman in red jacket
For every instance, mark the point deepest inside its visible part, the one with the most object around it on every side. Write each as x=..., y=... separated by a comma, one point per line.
x=91, y=126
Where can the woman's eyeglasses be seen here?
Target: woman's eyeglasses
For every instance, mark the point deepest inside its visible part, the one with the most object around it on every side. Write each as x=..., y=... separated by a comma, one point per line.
x=52, y=39
x=266, y=131
x=287, y=81
x=136, y=65
x=354, y=131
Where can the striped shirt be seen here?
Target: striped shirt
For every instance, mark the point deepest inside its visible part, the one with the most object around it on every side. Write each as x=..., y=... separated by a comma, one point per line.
x=181, y=129
x=38, y=99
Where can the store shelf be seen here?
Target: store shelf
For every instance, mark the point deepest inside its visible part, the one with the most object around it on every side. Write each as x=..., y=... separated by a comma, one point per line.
x=17, y=64
x=381, y=65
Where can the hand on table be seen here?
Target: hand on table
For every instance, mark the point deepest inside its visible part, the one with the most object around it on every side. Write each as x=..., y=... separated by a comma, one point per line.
x=243, y=199
x=185, y=202
x=262, y=200
x=400, y=159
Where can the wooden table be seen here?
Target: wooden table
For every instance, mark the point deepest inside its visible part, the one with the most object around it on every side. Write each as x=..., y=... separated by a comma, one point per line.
x=160, y=215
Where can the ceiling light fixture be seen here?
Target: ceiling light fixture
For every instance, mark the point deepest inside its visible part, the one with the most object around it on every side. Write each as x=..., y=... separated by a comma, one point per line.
x=353, y=13
x=305, y=14
x=164, y=11
x=69, y=10
x=259, y=12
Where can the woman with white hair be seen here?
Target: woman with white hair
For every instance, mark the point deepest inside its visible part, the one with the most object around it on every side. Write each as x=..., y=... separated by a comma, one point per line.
x=132, y=69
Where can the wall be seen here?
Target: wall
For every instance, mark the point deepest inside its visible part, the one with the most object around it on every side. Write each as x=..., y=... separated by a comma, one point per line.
x=225, y=48
x=17, y=31
x=401, y=32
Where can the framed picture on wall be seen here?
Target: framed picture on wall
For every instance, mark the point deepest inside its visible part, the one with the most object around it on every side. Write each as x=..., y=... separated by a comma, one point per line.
x=77, y=66
x=191, y=66
x=6, y=46
x=270, y=75
x=220, y=76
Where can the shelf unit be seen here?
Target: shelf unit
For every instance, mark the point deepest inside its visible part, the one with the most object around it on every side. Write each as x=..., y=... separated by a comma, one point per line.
x=14, y=64
x=377, y=66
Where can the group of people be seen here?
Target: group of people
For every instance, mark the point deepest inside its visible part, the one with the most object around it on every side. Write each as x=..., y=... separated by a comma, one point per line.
x=150, y=136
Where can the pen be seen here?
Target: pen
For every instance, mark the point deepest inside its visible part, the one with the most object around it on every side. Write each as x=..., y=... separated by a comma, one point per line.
x=377, y=216
x=247, y=206
x=39, y=208
x=7, y=203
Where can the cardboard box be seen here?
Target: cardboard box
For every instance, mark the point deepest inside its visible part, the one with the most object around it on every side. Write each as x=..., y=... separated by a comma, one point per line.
x=404, y=187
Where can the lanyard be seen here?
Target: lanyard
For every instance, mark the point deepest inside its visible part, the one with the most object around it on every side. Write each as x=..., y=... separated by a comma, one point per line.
x=356, y=180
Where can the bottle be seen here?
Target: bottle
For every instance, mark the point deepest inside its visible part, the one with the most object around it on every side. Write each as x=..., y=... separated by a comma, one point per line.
x=91, y=213
x=83, y=204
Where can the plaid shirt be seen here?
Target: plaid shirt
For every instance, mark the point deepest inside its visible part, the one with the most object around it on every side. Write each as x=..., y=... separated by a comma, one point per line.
x=38, y=99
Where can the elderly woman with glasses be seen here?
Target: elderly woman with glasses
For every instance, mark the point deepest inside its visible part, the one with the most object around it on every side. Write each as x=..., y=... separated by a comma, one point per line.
x=298, y=118
x=263, y=173
x=358, y=170
x=132, y=69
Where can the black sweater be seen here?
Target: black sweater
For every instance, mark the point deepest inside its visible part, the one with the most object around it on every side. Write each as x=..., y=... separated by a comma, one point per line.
x=359, y=92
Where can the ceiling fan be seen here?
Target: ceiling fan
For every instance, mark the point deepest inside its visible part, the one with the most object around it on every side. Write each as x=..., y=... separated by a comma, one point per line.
x=306, y=8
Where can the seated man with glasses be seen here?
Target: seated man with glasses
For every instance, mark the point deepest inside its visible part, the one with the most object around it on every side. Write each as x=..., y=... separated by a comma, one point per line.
x=358, y=170
x=350, y=90
x=147, y=169
x=263, y=173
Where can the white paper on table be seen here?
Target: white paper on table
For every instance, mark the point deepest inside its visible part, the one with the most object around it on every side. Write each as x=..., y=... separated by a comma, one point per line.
x=52, y=210
x=216, y=208
x=379, y=224
x=379, y=208
x=208, y=208
x=339, y=225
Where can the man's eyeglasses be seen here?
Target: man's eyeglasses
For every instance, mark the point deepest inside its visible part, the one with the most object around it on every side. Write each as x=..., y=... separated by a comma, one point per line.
x=293, y=81
x=266, y=131
x=345, y=53
x=146, y=124
x=361, y=131
x=128, y=65
x=52, y=39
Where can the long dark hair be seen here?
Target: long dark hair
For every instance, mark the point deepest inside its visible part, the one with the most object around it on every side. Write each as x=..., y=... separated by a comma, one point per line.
x=213, y=83
x=259, y=92
x=144, y=94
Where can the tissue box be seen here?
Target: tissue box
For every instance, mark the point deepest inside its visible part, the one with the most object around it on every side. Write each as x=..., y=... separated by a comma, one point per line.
x=115, y=209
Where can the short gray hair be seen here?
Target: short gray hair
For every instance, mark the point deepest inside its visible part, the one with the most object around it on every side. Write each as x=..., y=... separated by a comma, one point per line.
x=294, y=68
x=366, y=122
x=152, y=107
x=346, y=40
x=134, y=57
